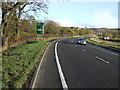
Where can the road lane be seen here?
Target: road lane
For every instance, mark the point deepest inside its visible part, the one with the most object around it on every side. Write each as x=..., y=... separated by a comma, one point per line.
x=83, y=67
x=99, y=52
x=83, y=70
x=48, y=76
x=63, y=82
x=113, y=59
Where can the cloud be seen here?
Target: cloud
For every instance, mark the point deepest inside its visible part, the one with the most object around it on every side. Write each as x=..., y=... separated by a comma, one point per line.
x=88, y=25
x=65, y=22
x=105, y=19
x=102, y=18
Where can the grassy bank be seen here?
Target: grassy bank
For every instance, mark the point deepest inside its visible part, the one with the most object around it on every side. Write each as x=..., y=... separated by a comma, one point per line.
x=18, y=61
x=102, y=44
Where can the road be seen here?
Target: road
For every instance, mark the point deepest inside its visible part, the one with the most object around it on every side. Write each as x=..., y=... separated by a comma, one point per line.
x=82, y=66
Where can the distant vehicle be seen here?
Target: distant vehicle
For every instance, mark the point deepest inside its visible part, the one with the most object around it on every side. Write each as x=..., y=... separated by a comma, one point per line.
x=81, y=41
x=106, y=38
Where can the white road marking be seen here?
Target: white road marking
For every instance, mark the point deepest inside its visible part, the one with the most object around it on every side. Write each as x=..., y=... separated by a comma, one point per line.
x=83, y=50
x=76, y=45
x=102, y=59
x=33, y=85
x=72, y=41
x=64, y=84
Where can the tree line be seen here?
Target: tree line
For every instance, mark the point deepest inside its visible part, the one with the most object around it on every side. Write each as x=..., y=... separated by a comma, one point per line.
x=14, y=27
x=111, y=33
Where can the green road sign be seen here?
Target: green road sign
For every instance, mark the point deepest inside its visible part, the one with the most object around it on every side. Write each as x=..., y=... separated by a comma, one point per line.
x=40, y=28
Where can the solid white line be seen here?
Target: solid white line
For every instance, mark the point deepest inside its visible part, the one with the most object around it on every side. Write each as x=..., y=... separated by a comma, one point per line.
x=33, y=86
x=64, y=84
x=83, y=49
x=102, y=59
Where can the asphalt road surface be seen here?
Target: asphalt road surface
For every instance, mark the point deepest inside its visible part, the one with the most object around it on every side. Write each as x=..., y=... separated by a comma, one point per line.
x=78, y=66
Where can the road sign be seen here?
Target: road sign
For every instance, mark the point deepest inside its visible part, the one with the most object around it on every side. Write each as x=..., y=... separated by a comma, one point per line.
x=40, y=28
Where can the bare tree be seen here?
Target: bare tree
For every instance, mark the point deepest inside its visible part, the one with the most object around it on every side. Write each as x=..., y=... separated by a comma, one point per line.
x=51, y=27
x=11, y=12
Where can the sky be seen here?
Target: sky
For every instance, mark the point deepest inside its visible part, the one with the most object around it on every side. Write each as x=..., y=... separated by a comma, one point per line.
x=84, y=14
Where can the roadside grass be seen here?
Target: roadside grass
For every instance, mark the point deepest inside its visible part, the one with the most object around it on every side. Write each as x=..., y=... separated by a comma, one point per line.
x=115, y=39
x=18, y=61
x=0, y=71
x=102, y=44
x=52, y=38
x=112, y=39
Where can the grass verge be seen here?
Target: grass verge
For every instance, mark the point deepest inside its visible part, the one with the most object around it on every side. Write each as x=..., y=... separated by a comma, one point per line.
x=17, y=62
x=103, y=44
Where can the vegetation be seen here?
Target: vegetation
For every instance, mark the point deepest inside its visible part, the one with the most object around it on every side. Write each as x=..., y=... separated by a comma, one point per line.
x=20, y=52
x=73, y=31
x=51, y=27
x=11, y=18
x=111, y=33
x=20, y=47
x=18, y=61
x=103, y=44
x=13, y=25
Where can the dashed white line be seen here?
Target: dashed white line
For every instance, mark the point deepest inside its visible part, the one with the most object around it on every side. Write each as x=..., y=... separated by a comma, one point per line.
x=76, y=45
x=102, y=59
x=83, y=50
x=72, y=41
x=64, y=84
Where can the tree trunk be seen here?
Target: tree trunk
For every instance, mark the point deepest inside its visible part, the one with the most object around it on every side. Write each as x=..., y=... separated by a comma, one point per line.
x=5, y=42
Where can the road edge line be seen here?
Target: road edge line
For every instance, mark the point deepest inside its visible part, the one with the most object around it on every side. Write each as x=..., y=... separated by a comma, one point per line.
x=64, y=84
x=34, y=81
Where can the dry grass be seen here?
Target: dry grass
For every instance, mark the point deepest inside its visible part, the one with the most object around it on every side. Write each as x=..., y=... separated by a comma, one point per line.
x=105, y=42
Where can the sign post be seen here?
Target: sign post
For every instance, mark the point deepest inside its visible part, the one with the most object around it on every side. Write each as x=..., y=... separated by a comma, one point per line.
x=39, y=28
